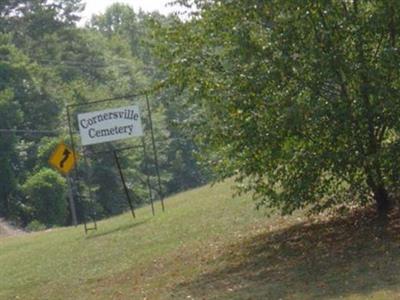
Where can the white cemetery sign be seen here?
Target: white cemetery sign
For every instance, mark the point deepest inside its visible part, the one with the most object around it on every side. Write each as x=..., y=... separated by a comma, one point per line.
x=110, y=125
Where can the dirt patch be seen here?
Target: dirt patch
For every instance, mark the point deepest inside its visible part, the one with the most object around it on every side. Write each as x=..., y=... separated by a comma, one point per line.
x=8, y=230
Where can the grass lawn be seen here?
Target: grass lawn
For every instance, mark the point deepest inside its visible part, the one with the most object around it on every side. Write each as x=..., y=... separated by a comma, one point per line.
x=206, y=246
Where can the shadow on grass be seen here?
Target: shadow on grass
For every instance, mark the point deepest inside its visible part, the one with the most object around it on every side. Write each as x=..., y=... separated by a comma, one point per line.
x=124, y=227
x=328, y=259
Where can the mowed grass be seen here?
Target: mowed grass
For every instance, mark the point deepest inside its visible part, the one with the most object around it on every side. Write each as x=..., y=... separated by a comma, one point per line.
x=207, y=245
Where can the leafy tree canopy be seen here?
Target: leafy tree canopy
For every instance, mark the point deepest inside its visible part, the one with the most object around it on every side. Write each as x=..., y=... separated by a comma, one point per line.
x=299, y=100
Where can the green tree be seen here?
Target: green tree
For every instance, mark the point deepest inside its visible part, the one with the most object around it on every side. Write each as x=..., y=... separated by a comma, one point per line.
x=8, y=117
x=299, y=100
x=46, y=194
x=29, y=89
x=47, y=62
x=14, y=76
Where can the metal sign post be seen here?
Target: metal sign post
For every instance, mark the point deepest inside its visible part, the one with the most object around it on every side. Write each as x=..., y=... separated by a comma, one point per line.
x=147, y=175
x=64, y=160
x=124, y=184
x=155, y=154
x=76, y=174
x=91, y=199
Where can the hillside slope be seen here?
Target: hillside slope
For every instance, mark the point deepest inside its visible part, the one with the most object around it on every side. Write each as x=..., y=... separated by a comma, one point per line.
x=205, y=246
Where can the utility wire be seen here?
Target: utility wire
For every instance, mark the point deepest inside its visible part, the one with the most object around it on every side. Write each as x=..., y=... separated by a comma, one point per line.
x=26, y=131
x=72, y=64
x=123, y=63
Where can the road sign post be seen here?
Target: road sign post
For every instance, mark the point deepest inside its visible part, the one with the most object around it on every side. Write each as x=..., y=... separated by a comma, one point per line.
x=64, y=159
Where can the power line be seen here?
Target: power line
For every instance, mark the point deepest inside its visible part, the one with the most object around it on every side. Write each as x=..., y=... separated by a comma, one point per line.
x=26, y=131
x=70, y=63
x=122, y=63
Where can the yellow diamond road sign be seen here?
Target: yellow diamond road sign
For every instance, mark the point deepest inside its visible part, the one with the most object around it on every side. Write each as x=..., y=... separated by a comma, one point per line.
x=63, y=159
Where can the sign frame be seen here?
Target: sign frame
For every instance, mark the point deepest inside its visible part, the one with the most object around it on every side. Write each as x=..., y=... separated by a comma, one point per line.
x=149, y=128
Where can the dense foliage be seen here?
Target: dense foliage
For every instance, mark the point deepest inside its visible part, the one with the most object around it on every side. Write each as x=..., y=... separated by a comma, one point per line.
x=46, y=63
x=298, y=99
x=46, y=194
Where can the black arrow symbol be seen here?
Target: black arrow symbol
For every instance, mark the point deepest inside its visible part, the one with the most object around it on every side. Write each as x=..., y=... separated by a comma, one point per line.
x=65, y=158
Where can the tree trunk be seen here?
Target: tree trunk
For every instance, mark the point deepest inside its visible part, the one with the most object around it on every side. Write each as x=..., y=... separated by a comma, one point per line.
x=382, y=200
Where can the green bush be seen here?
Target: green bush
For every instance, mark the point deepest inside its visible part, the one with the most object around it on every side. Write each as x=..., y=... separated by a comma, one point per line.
x=35, y=225
x=46, y=194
